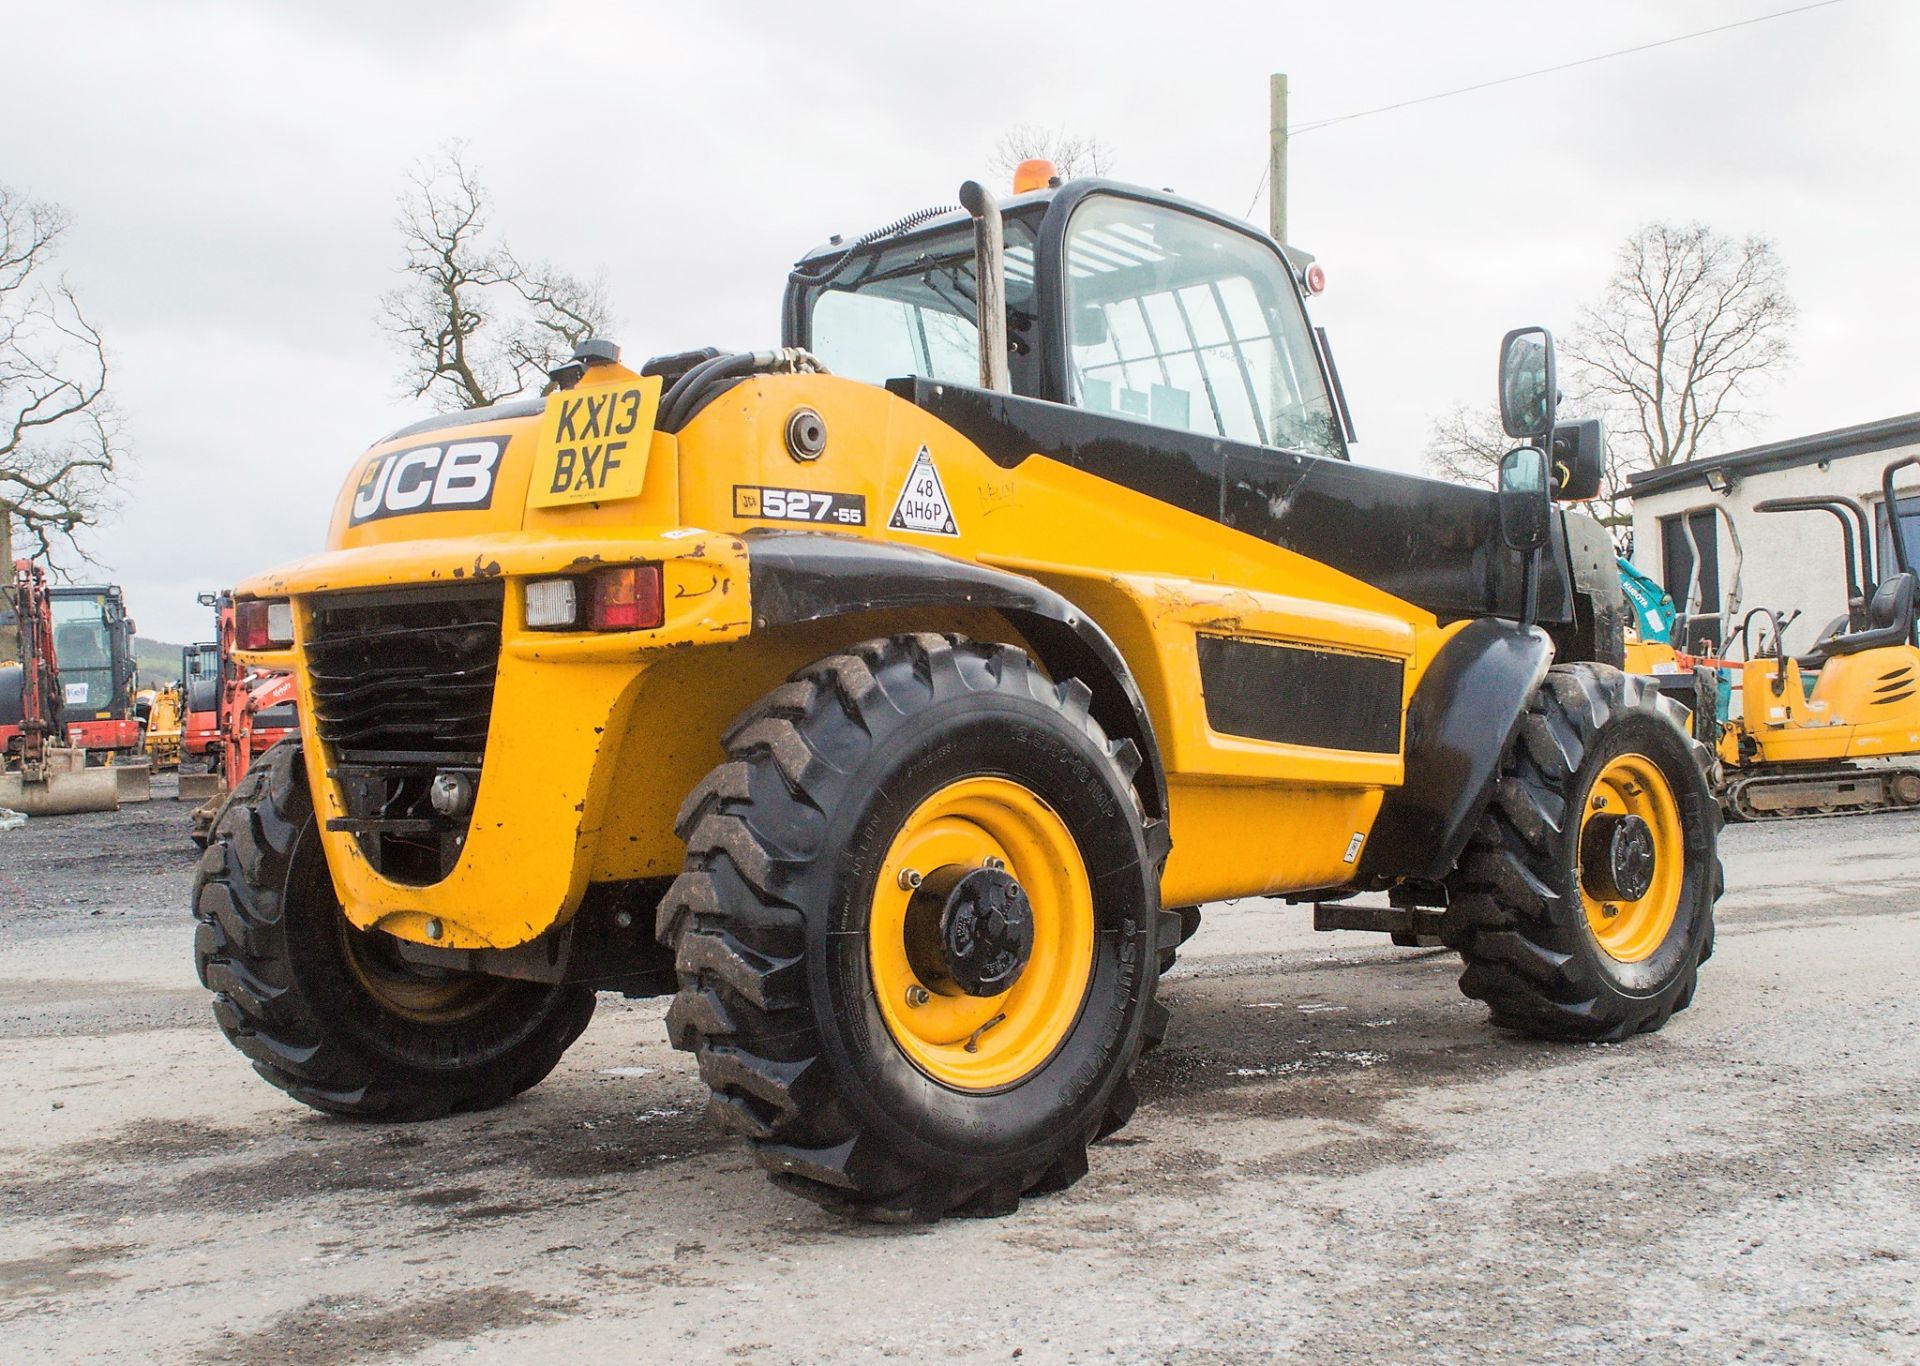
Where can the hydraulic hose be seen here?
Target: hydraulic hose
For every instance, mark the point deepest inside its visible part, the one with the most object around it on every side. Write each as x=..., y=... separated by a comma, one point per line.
x=893, y=229
x=691, y=390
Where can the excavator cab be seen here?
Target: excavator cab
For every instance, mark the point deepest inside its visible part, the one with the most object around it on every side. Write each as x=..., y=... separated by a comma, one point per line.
x=42, y=772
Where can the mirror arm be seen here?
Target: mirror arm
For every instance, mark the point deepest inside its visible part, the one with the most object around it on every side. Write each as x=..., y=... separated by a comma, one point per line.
x=1530, y=574
x=1530, y=590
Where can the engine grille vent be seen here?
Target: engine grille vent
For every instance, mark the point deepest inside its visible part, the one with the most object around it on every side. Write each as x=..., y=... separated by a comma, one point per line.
x=405, y=675
x=402, y=685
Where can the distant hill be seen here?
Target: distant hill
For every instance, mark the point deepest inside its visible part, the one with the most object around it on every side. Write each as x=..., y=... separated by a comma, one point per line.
x=159, y=662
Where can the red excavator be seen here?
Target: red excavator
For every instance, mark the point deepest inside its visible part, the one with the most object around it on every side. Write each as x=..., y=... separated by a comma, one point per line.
x=41, y=773
x=87, y=629
x=93, y=637
x=200, y=667
x=254, y=709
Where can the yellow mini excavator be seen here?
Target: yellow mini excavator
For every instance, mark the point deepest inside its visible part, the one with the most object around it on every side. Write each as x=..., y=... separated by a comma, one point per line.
x=1807, y=721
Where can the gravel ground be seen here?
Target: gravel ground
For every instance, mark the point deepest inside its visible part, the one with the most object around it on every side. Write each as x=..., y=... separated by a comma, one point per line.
x=1336, y=1158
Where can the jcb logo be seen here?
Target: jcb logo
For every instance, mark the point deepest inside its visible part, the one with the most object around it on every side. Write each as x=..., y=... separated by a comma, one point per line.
x=450, y=477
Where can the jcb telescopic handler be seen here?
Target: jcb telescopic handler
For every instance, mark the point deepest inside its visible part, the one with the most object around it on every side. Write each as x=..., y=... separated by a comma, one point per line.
x=914, y=683
x=1806, y=722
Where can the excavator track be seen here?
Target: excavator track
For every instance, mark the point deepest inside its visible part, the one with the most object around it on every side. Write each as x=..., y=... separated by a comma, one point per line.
x=1800, y=794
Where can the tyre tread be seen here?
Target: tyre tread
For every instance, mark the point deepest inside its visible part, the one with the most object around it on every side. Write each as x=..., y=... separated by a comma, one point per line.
x=739, y=943
x=242, y=955
x=1511, y=926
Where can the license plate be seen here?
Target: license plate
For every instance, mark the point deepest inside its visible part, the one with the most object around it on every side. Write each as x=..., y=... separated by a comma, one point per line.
x=593, y=443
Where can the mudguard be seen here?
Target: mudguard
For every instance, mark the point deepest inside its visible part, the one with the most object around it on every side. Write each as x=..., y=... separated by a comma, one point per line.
x=1598, y=631
x=1463, y=717
x=798, y=576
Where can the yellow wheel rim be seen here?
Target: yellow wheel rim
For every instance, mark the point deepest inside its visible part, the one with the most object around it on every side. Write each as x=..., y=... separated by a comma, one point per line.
x=1630, y=930
x=982, y=1043
x=413, y=995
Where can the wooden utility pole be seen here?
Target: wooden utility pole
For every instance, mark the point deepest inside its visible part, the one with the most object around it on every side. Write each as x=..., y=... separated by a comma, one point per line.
x=9, y=633
x=1277, y=156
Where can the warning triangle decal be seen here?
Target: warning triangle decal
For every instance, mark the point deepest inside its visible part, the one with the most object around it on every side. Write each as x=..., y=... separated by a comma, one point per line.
x=922, y=504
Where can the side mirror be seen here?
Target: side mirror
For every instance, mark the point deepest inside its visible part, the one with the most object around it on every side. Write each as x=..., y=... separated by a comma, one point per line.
x=1529, y=387
x=1579, y=460
x=1525, y=511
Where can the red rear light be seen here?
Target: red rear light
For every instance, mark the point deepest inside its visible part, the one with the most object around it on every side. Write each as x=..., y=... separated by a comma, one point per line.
x=624, y=598
x=262, y=624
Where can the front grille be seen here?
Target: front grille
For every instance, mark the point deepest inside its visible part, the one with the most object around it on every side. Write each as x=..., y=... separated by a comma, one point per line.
x=402, y=686
x=405, y=673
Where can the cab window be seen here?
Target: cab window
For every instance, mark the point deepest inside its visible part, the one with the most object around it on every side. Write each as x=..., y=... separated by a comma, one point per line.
x=1182, y=323
x=910, y=309
x=83, y=651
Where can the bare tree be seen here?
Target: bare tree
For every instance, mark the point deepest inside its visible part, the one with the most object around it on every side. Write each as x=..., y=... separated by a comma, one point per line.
x=1689, y=325
x=562, y=310
x=1072, y=154
x=476, y=323
x=59, y=434
x=1466, y=445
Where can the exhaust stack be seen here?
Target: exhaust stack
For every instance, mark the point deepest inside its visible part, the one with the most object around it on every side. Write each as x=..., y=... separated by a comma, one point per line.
x=990, y=274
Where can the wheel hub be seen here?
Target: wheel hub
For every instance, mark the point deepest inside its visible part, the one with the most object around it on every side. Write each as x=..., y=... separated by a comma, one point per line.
x=969, y=929
x=1617, y=860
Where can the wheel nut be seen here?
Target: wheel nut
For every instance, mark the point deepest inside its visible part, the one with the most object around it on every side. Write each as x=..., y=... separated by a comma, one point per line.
x=918, y=995
x=1609, y=909
x=997, y=864
x=909, y=878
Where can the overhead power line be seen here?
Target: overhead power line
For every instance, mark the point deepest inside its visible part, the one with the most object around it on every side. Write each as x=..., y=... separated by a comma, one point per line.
x=1316, y=124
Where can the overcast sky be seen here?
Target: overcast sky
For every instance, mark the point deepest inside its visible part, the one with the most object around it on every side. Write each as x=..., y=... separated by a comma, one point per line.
x=232, y=171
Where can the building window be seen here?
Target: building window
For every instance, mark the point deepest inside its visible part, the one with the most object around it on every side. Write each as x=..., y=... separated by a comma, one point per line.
x=1909, y=534
x=1700, y=609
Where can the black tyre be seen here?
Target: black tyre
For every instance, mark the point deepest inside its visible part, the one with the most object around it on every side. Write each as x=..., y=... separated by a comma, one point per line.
x=1583, y=905
x=828, y=980
x=329, y=1013
x=1183, y=921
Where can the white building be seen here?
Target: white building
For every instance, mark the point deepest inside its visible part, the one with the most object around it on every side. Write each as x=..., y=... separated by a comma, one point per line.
x=1784, y=560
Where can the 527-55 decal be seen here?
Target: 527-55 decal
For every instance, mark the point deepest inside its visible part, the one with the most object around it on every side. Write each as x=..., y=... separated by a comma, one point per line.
x=799, y=505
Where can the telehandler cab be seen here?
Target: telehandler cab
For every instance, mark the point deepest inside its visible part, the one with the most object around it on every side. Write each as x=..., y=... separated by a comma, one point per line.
x=914, y=683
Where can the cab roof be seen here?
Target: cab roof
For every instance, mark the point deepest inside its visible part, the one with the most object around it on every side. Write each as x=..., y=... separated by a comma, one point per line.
x=1037, y=204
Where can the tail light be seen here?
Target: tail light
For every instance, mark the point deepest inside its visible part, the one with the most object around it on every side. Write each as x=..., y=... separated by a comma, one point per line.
x=624, y=597
x=262, y=624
